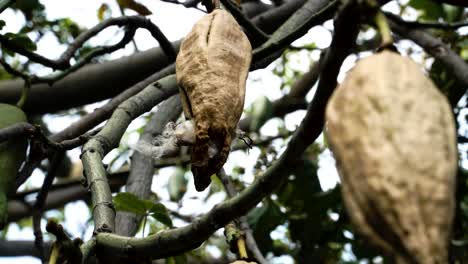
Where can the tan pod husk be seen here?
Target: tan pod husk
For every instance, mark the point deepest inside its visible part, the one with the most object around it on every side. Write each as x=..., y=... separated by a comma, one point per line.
x=393, y=136
x=212, y=68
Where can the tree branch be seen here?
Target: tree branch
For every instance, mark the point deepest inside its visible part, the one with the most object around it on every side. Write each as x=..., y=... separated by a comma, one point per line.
x=115, y=76
x=63, y=62
x=142, y=167
x=59, y=195
x=16, y=248
x=38, y=208
x=174, y=241
x=438, y=49
x=99, y=115
x=256, y=35
x=312, y=13
x=109, y=137
x=244, y=225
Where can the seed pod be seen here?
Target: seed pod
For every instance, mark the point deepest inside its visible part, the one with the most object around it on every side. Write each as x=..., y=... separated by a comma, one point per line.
x=212, y=67
x=393, y=136
x=12, y=154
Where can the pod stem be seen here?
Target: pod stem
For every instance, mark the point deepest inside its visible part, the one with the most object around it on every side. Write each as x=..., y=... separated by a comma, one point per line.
x=384, y=29
x=24, y=93
x=242, y=248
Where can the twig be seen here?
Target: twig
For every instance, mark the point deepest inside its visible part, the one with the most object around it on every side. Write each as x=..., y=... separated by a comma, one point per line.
x=13, y=71
x=256, y=35
x=63, y=62
x=17, y=130
x=186, y=4
x=128, y=36
x=132, y=23
x=64, y=250
x=38, y=207
x=244, y=225
x=59, y=195
x=99, y=115
x=295, y=99
x=41, y=147
x=312, y=13
x=38, y=151
x=425, y=25
x=5, y=4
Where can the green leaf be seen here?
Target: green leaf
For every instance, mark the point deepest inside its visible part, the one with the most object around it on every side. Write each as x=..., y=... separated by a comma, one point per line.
x=159, y=212
x=430, y=10
x=263, y=220
x=21, y=40
x=104, y=12
x=181, y=259
x=129, y=202
x=2, y=24
x=262, y=110
x=452, y=13
x=177, y=185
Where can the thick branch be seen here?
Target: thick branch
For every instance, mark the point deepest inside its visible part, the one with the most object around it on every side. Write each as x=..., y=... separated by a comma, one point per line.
x=90, y=84
x=171, y=242
x=59, y=195
x=16, y=248
x=142, y=167
x=109, y=137
x=100, y=81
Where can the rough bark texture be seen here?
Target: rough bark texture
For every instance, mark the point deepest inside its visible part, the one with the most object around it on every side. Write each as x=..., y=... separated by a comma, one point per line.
x=142, y=167
x=211, y=69
x=393, y=136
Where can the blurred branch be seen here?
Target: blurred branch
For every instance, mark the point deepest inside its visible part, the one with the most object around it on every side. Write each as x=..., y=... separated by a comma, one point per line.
x=438, y=49
x=16, y=130
x=132, y=23
x=435, y=25
x=59, y=195
x=38, y=208
x=42, y=146
x=115, y=76
x=186, y=4
x=5, y=4
x=174, y=241
x=29, y=130
x=312, y=13
x=101, y=114
x=17, y=248
x=295, y=99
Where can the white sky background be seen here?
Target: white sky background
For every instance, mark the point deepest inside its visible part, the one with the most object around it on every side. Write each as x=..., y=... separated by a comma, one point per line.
x=175, y=21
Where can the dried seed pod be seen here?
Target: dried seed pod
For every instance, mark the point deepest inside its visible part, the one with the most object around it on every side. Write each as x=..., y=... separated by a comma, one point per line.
x=212, y=67
x=393, y=136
